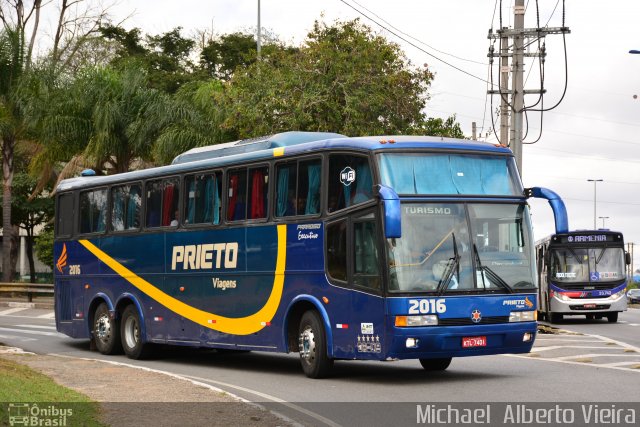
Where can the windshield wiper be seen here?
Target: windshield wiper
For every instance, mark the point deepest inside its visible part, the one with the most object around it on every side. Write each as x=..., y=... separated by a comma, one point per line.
x=452, y=265
x=493, y=276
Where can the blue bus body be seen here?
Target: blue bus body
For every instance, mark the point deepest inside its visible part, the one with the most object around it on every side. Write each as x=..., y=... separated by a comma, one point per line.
x=247, y=285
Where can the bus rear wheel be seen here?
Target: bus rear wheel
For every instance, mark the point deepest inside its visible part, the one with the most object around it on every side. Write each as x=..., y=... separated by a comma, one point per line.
x=131, y=334
x=612, y=317
x=105, y=331
x=435, y=364
x=312, y=345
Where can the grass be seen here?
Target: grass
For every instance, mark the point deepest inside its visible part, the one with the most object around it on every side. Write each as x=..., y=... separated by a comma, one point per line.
x=19, y=383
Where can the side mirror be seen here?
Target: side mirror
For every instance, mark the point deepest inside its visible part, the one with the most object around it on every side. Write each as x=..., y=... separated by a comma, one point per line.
x=627, y=258
x=392, y=212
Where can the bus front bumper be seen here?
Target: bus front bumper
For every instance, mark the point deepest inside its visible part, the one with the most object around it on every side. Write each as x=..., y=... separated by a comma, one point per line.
x=461, y=341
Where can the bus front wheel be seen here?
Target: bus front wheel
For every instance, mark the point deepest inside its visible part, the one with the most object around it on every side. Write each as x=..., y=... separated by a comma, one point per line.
x=312, y=345
x=131, y=334
x=612, y=317
x=435, y=364
x=105, y=331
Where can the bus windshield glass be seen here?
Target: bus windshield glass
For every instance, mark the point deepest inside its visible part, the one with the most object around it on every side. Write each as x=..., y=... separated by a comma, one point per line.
x=441, y=251
x=587, y=265
x=436, y=173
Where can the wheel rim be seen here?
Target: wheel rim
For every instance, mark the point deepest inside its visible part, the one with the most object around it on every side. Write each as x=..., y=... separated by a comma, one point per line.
x=131, y=332
x=103, y=328
x=307, y=345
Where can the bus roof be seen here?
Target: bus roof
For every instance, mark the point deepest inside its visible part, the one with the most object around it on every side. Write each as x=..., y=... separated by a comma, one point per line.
x=286, y=143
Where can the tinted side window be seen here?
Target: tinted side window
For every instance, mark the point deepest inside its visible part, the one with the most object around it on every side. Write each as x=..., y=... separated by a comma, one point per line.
x=65, y=215
x=337, y=250
x=350, y=181
x=366, y=268
x=162, y=203
x=237, y=195
x=258, y=193
x=298, y=188
x=93, y=208
x=203, y=193
x=126, y=203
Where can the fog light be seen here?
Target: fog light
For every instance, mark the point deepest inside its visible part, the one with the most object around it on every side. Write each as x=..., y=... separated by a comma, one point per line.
x=528, y=336
x=412, y=342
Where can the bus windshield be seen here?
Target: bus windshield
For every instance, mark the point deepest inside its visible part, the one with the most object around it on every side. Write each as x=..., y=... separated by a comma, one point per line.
x=441, y=251
x=580, y=265
x=437, y=173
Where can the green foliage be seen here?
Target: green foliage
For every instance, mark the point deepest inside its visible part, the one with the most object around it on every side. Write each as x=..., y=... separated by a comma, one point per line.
x=29, y=212
x=344, y=79
x=44, y=246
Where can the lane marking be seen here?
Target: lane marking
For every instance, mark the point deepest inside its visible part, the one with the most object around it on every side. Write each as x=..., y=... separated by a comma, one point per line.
x=51, y=315
x=25, y=331
x=36, y=327
x=15, y=337
x=555, y=347
x=12, y=310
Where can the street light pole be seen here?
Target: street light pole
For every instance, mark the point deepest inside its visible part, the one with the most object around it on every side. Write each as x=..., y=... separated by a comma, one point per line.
x=595, y=181
x=258, y=47
x=603, y=218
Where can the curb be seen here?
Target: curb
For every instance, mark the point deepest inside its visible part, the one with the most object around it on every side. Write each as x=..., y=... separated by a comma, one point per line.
x=22, y=304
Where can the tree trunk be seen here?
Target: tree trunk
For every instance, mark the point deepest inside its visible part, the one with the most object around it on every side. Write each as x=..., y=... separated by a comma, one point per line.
x=7, y=229
x=29, y=248
x=15, y=250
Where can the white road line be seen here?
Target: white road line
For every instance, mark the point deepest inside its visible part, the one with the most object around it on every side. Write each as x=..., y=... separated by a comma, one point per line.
x=12, y=310
x=36, y=327
x=570, y=362
x=619, y=363
x=14, y=337
x=555, y=347
x=592, y=355
x=47, y=316
x=24, y=331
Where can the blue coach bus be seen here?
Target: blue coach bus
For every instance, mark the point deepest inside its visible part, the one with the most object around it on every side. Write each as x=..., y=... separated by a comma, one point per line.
x=582, y=273
x=375, y=248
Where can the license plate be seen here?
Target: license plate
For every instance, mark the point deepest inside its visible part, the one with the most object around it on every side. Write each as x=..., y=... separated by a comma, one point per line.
x=468, y=342
x=589, y=306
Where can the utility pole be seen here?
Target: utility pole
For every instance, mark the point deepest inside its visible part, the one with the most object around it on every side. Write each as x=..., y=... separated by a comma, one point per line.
x=512, y=99
x=259, y=32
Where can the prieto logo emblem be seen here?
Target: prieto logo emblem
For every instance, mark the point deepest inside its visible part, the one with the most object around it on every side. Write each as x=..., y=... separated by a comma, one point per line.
x=476, y=316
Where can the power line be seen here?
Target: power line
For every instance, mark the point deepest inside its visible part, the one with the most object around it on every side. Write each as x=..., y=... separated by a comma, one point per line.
x=413, y=44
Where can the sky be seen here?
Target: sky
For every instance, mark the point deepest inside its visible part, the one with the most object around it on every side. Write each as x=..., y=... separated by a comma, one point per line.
x=592, y=134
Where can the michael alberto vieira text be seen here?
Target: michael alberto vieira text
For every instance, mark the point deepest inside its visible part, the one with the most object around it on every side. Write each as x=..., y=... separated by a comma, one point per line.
x=516, y=414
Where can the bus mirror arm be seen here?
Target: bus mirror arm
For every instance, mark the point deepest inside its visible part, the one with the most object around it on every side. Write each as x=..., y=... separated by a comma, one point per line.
x=627, y=258
x=557, y=205
x=392, y=212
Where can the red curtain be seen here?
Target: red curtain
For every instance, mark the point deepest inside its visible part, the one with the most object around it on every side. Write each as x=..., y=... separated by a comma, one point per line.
x=167, y=204
x=257, y=194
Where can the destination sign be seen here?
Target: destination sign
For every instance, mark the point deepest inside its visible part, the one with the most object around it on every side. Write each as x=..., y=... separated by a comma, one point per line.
x=589, y=238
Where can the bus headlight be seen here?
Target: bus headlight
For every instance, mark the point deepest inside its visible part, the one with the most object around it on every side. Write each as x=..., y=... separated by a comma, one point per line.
x=617, y=295
x=409, y=321
x=522, y=316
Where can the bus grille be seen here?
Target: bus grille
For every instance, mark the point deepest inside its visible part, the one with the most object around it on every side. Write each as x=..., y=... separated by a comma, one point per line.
x=593, y=307
x=465, y=321
x=585, y=287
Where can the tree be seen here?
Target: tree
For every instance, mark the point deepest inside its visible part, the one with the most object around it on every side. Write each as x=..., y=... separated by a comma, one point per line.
x=11, y=131
x=29, y=213
x=343, y=79
x=102, y=120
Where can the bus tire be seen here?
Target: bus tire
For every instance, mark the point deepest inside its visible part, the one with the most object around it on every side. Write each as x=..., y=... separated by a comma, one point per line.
x=612, y=317
x=554, y=317
x=312, y=345
x=433, y=365
x=131, y=334
x=105, y=332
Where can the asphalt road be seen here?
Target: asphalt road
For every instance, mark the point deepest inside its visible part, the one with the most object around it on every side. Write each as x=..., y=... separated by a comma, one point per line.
x=601, y=364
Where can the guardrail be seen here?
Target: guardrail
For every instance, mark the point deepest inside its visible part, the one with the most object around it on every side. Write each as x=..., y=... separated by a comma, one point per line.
x=28, y=289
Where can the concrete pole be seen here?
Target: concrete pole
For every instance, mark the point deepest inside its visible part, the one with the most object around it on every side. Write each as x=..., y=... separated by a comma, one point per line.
x=517, y=83
x=504, y=87
x=259, y=48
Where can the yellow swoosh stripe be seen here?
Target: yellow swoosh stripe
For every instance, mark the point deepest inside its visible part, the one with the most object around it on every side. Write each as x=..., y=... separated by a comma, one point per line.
x=237, y=326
